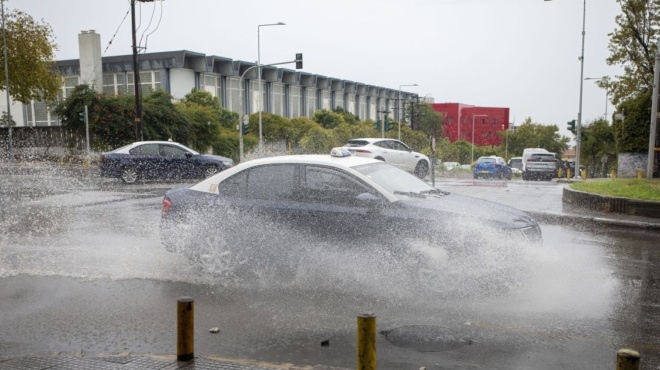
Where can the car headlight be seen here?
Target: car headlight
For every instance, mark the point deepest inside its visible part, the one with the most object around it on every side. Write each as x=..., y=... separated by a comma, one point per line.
x=228, y=163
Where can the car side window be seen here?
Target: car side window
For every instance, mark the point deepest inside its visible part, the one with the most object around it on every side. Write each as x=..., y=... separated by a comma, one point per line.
x=383, y=144
x=145, y=150
x=234, y=186
x=271, y=182
x=399, y=146
x=172, y=151
x=329, y=185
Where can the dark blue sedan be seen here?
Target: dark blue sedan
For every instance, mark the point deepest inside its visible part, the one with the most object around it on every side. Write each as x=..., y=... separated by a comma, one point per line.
x=159, y=160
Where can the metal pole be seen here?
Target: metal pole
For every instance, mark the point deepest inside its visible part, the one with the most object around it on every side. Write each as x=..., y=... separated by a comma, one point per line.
x=399, y=112
x=579, y=120
x=654, y=114
x=87, y=135
x=366, y=342
x=261, y=136
x=185, y=329
x=136, y=79
x=7, y=90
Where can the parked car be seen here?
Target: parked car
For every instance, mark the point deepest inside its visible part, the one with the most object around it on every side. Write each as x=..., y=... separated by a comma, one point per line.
x=448, y=166
x=159, y=160
x=393, y=152
x=540, y=166
x=516, y=162
x=266, y=211
x=491, y=167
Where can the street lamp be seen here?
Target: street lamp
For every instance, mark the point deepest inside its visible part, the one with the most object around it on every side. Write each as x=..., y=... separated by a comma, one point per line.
x=401, y=106
x=261, y=137
x=473, y=117
x=607, y=91
x=579, y=118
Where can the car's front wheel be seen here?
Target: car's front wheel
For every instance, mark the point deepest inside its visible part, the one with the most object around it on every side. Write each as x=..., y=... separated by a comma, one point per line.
x=129, y=175
x=422, y=169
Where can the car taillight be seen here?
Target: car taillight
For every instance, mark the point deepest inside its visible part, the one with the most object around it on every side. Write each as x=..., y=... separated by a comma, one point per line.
x=362, y=151
x=104, y=159
x=166, y=207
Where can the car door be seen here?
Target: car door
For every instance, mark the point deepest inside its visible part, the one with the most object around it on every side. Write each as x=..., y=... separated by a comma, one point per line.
x=176, y=162
x=146, y=160
x=406, y=158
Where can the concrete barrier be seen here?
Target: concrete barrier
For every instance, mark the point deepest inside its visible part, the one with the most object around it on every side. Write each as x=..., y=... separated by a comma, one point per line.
x=605, y=203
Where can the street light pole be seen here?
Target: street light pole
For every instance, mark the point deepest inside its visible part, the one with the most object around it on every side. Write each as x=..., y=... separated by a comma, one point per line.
x=261, y=137
x=578, y=139
x=401, y=106
x=473, y=117
x=9, y=120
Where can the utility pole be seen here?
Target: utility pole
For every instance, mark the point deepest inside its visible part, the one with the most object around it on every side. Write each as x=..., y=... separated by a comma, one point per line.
x=9, y=120
x=136, y=76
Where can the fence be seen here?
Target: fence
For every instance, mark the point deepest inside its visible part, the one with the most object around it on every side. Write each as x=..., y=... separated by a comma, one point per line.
x=41, y=143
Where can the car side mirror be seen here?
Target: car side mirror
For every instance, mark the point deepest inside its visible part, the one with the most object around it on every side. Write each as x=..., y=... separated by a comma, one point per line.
x=188, y=155
x=369, y=200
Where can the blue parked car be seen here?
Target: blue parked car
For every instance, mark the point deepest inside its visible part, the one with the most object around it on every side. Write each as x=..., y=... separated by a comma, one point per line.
x=491, y=167
x=160, y=160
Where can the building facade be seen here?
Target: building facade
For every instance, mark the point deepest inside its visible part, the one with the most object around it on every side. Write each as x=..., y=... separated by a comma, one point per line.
x=286, y=92
x=462, y=121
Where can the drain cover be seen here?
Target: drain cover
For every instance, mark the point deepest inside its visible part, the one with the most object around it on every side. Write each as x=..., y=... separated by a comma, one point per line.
x=426, y=338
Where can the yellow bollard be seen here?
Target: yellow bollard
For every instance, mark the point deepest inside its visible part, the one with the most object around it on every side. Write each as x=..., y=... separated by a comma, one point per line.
x=613, y=174
x=366, y=342
x=559, y=173
x=584, y=174
x=85, y=163
x=61, y=161
x=185, y=329
x=627, y=359
x=639, y=174
x=568, y=173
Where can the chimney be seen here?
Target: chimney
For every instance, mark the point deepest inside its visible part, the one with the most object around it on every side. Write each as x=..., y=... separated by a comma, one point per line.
x=91, y=68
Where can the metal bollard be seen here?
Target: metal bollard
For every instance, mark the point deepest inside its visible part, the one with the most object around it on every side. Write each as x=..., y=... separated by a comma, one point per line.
x=639, y=174
x=613, y=174
x=185, y=329
x=366, y=342
x=627, y=359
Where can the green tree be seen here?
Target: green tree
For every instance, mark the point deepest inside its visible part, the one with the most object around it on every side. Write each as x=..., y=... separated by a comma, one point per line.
x=597, y=148
x=429, y=121
x=202, y=98
x=633, y=46
x=162, y=121
x=632, y=134
x=328, y=119
x=536, y=135
x=109, y=117
x=33, y=74
x=316, y=141
x=348, y=117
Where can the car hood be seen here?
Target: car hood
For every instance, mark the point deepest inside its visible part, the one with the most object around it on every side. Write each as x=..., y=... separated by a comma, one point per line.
x=460, y=207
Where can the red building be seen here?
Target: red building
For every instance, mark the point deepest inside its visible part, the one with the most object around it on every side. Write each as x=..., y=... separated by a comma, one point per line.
x=458, y=121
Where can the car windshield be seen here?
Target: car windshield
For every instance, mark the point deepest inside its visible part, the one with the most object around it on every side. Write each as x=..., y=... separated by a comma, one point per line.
x=395, y=181
x=486, y=160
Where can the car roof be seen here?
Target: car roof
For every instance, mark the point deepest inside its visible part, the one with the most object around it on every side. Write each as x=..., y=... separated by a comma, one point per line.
x=371, y=139
x=319, y=159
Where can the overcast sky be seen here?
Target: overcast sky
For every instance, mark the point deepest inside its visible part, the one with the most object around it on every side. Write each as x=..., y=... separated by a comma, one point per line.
x=521, y=54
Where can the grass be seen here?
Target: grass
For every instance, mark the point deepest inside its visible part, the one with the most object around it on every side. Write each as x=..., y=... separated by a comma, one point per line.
x=644, y=189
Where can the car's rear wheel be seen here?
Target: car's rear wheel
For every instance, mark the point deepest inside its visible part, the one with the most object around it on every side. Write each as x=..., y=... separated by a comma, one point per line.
x=380, y=159
x=215, y=258
x=129, y=175
x=422, y=169
x=210, y=171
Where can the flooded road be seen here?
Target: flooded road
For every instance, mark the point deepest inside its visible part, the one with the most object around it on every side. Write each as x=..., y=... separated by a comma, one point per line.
x=82, y=269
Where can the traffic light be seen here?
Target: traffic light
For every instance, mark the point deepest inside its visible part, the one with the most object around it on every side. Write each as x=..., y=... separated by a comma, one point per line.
x=299, y=61
x=571, y=126
x=388, y=125
x=246, y=128
x=377, y=125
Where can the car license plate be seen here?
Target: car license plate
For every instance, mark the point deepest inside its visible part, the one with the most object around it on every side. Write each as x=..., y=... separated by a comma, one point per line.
x=484, y=171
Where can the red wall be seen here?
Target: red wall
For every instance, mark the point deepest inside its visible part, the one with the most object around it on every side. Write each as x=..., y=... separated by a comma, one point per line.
x=488, y=123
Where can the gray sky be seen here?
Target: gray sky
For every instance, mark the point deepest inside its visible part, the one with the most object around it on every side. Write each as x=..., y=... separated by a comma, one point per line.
x=521, y=54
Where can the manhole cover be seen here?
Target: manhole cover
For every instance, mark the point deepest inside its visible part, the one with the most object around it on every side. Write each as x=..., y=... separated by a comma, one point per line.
x=426, y=338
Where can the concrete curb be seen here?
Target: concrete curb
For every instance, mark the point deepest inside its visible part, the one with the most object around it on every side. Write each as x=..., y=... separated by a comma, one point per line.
x=572, y=220
x=603, y=203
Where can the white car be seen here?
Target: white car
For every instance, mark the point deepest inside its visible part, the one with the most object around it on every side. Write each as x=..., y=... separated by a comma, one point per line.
x=391, y=151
